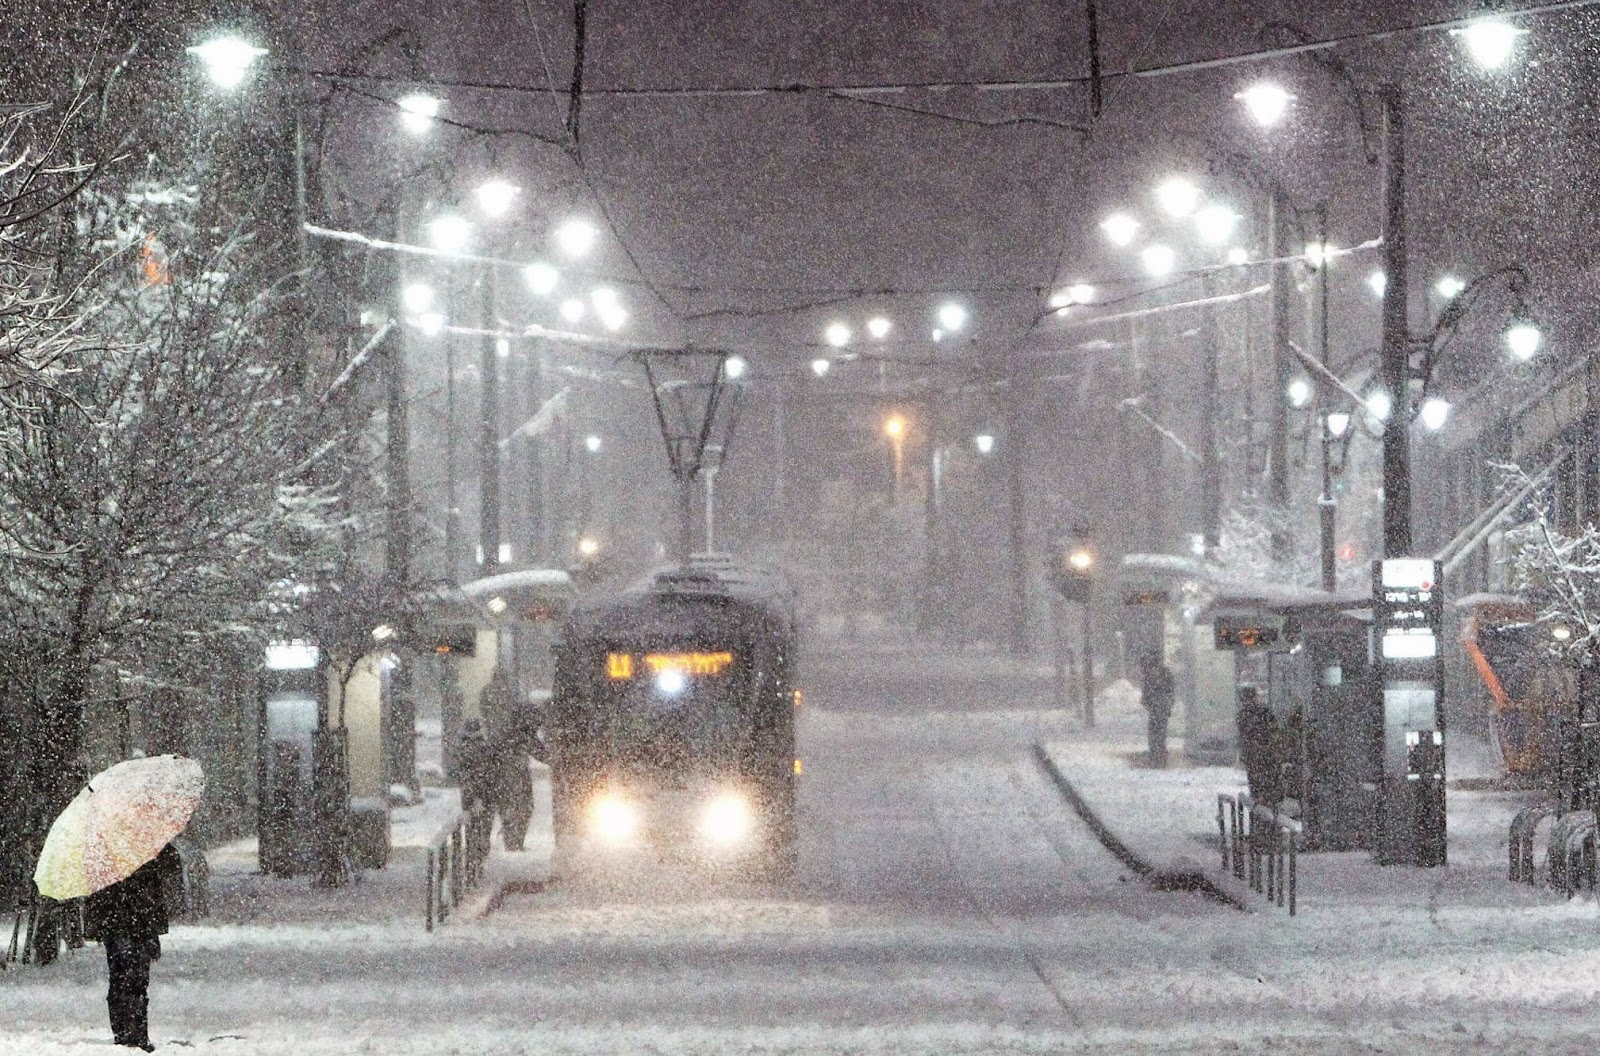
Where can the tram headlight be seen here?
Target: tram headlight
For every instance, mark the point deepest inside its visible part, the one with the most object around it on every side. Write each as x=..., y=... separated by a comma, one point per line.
x=613, y=819
x=727, y=820
x=671, y=681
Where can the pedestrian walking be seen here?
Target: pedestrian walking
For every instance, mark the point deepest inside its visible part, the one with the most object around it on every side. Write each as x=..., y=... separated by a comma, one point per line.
x=128, y=919
x=1156, y=693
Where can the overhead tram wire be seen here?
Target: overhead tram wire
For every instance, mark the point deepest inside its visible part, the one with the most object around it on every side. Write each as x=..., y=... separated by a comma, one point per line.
x=799, y=88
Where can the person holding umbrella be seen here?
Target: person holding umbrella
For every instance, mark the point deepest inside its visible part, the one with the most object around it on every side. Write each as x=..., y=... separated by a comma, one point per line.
x=128, y=919
x=113, y=845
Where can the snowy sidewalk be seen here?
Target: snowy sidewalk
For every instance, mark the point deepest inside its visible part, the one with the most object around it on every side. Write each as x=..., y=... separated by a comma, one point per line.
x=1168, y=819
x=395, y=894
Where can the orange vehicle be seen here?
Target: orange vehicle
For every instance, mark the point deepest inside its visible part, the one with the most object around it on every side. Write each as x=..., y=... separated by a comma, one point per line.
x=1531, y=691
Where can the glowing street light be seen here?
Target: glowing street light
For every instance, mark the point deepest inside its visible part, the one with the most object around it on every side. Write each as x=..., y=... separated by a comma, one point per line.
x=576, y=237
x=1215, y=223
x=1120, y=228
x=417, y=297
x=952, y=316
x=1376, y=282
x=1081, y=293
x=734, y=368
x=1449, y=287
x=1490, y=41
x=572, y=309
x=984, y=442
x=450, y=234
x=588, y=546
x=227, y=59
x=593, y=444
x=1523, y=340
x=1179, y=197
x=431, y=323
x=541, y=278
x=1299, y=392
x=417, y=112
x=1238, y=255
x=495, y=197
x=879, y=327
x=1434, y=412
x=894, y=427
x=837, y=335
x=1266, y=102
x=1158, y=260
x=1338, y=422
x=1379, y=405
x=821, y=366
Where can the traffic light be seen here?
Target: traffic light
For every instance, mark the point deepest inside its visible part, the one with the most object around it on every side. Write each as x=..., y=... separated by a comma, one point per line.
x=1072, y=569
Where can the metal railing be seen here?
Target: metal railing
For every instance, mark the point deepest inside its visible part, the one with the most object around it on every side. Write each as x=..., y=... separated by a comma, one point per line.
x=1259, y=847
x=455, y=860
x=1572, y=852
x=1524, y=830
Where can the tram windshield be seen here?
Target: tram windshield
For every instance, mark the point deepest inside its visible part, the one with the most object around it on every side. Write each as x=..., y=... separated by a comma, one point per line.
x=664, y=708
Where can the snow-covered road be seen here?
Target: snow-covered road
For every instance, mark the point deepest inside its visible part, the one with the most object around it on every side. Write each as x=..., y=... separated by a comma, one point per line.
x=947, y=902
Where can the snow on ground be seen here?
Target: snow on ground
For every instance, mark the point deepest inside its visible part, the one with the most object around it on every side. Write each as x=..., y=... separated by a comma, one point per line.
x=948, y=902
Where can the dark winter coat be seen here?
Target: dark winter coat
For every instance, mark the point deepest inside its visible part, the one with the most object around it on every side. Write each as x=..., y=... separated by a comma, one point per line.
x=1157, y=691
x=136, y=907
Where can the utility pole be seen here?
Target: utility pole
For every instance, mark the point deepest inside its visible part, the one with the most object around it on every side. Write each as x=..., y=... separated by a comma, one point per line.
x=489, y=432
x=1394, y=363
x=1327, y=508
x=452, y=513
x=1017, y=506
x=1211, y=485
x=1278, y=455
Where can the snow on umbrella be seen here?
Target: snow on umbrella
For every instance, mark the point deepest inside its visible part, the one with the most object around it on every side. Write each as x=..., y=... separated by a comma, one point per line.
x=118, y=822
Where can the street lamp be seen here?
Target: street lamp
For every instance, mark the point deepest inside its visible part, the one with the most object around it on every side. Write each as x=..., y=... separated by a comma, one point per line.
x=1267, y=102
x=576, y=237
x=1179, y=197
x=820, y=366
x=837, y=335
x=984, y=442
x=417, y=298
x=450, y=234
x=495, y=197
x=417, y=112
x=1215, y=223
x=227, y=60
x=572, y=310
x=1120, y=228
x=1449, y=287
x=1490, y=41
x=952, y=316
x=1434, y=412
x=1523, y=340
x=734, y=367
x=894, y=427
x=878, y=327
x=541, y=278
x=592, y=444
x=1158, y=260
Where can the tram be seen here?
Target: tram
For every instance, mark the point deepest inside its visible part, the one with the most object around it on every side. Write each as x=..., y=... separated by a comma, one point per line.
x=672, y=720
x=1533, y=693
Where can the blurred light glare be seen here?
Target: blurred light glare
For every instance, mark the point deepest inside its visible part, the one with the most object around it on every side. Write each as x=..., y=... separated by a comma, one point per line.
x=417, y=112
x=1449, y=287
x=952, y=316
x=1299, y=392
x=734, y=367
x=613, y=317
x=227, y=59
x=1434, y=412
x=593, y=443
x=837, y=335
x=938, y=335
x=588, y=546
x=1158, y=260
x=1523, y=340
x=431, y=323
x=1060, y=299
x=1379, y=405
x=417, y=297
x=495, y=197
x=894, y=427
x=1081, y=293
x=1319, y=253
x=571, y=310
x=450, y=234
x=541, y=278
x=820, y=367
x=1215, y=224
x=1338, y=422
x=576, y=237
x=984, y=442
x=502, y=348
x=1266, y=102
x=1120, y=228
x=1490, y=41
x=1238, y=255
x=1377, y=282
x=879, y=327
x=1178, y=197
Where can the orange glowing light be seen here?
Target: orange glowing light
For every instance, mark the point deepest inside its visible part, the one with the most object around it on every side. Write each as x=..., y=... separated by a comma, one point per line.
x=619, y=665
x=689, y=663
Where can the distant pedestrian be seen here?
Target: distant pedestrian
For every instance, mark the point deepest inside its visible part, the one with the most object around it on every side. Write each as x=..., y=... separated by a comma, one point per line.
x=476, y=770
x=129, y=918
x=1259, y=747
x=1156, y=694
